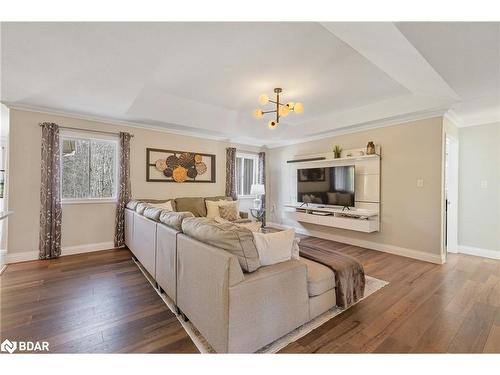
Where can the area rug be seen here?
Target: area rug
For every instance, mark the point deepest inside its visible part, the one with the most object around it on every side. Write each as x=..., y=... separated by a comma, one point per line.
x=372, y=285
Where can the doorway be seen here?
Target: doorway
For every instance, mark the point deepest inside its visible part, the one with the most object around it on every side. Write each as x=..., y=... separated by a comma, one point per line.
x=451, y=195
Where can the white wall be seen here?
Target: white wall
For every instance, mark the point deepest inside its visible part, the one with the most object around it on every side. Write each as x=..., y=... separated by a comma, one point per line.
x=411, y=220
x=85, y=224
x=479, y=190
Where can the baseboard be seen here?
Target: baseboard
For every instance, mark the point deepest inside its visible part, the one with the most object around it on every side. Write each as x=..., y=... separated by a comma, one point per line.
x=88, y=248
x=67, y=250
x=477, y=251
x=391, y=249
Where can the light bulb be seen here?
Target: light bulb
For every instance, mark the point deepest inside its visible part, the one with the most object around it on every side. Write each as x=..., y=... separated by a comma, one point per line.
x=284, y=110
x=290, y=105
x=257, y=114
x=298, y=108
x=272, y=124
x=263, y=99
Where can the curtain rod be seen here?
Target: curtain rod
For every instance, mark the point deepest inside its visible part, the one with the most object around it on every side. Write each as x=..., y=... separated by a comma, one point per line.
x=89, y=130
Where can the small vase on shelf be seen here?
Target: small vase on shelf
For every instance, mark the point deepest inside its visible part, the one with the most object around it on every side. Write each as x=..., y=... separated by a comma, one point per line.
x=370, y=148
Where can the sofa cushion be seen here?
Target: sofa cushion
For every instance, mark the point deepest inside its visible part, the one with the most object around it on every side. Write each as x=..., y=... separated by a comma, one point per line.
x=141, y=207
x=219, y=198
x=320, y=278
x=152, y=213
x=174, y=219
x=132, y=204
x=195, y=205
x=164, y=205
x=227, y=236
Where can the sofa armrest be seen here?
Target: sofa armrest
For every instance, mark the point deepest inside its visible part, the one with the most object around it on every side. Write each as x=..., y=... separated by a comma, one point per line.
x=204, y=275
x=268, y=304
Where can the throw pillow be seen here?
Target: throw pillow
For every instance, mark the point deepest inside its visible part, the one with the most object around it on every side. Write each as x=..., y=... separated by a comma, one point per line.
x=274, y=247
x=152, y=213
x=229, y=211
x=174, y=219
x=141, y=207
x=213, y=208
x=164, y=206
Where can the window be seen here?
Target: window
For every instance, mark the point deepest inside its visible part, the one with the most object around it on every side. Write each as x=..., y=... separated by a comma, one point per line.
x=246, y=173
x=88, y=168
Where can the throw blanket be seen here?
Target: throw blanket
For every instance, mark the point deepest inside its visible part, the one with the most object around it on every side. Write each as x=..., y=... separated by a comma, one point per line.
x=349, y=273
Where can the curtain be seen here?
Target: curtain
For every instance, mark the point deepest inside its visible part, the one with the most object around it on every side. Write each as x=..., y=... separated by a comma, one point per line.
x=231, y=173
x=262, y=180
x=124, y=189
x=50, y=193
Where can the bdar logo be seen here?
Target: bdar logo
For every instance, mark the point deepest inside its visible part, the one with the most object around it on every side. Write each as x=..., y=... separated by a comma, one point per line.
x=8, y=346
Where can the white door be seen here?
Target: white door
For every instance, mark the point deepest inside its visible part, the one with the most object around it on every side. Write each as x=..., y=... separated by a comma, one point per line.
x=451, y=194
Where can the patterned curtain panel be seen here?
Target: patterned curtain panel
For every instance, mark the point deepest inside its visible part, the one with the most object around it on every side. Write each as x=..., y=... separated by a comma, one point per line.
x=50, y=193
x=124, y=189
x=262, y=180
x=231, y=173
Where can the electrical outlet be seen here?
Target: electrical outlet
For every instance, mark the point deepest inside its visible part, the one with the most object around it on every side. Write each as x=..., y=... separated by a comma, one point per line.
x=420, y=182
x=484, y=184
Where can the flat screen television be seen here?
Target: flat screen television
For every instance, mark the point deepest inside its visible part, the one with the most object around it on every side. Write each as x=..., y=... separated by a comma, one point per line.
x=333, y=186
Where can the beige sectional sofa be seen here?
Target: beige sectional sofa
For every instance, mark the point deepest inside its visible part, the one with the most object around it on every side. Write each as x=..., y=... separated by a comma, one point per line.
x=236, y=311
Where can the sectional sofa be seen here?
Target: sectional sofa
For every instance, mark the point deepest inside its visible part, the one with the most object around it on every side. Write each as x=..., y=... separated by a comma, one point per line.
x=236, y=311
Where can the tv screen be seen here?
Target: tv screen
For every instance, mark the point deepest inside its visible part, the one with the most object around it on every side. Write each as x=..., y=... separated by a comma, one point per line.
x=330, y=186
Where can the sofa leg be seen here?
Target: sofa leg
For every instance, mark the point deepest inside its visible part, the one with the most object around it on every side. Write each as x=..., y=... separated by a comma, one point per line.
x=134, y=258
x=184, y=317
x=161, y=290
x=157, y=286
x=177, y=310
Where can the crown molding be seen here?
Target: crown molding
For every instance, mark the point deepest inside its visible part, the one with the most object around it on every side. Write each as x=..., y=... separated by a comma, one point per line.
x=166, y=128
x=452, y=116
x=381, y=123
x=390, y=121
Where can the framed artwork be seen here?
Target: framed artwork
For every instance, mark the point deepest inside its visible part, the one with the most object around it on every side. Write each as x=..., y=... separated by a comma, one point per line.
x=311, y=174
x=179, y=166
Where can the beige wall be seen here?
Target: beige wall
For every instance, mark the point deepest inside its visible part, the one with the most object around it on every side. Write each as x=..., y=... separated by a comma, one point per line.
x=92, y=223
x=410, y=216
x=479, y=206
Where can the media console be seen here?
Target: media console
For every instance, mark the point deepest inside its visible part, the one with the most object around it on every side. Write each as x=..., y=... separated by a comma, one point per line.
x=361, y=220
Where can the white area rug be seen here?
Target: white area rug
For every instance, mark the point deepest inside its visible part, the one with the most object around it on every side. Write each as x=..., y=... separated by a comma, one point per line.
x=372, y=285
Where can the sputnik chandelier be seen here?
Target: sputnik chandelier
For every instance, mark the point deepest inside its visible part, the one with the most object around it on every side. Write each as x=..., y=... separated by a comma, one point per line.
x=282, y=109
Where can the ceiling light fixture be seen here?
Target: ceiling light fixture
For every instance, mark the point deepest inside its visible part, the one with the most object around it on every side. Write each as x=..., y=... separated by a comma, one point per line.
x=282, y=109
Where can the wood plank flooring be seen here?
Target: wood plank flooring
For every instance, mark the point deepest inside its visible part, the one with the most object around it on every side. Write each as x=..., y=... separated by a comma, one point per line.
x=91, y=303
x=101, y=303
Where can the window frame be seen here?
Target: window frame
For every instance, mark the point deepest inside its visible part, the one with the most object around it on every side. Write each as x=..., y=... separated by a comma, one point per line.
x=255, y=158
x=88, y=136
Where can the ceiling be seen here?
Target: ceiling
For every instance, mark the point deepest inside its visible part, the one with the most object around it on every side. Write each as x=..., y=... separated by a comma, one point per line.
x=205, y=78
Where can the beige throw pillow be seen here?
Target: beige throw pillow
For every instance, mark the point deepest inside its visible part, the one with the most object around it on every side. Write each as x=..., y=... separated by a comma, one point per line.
x=229, y=211
x=213, y=208
x=274, y=247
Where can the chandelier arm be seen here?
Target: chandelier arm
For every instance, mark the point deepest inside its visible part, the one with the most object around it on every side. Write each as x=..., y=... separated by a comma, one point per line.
x=264, y=112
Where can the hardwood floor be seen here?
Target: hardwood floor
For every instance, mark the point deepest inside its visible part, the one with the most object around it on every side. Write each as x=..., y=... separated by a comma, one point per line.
x=100, y=302
x=90, y=303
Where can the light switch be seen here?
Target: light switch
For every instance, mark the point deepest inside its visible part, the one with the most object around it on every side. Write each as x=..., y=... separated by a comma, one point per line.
x=484, y=184
x=420, y=182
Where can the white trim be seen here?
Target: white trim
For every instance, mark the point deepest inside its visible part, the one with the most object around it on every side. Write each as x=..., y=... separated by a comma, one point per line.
x=356, y=128
x=391, y=249
x=87, y=248
x=3, y=260
x=88, y=200
x=360, y=127
x=479, y=252
x=26, y=256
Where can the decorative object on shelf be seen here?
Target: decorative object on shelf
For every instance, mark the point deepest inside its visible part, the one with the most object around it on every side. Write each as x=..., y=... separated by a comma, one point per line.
x=282, y=109
x=179, y=166
x=370, y=148
x=337, y=151
x=258, y=190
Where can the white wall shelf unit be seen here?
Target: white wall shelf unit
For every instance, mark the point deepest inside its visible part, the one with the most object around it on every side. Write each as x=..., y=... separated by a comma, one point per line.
x=365, y=217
